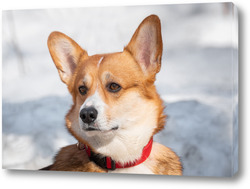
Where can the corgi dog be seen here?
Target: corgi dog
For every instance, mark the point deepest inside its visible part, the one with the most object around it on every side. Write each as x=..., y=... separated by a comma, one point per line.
x=116, y=109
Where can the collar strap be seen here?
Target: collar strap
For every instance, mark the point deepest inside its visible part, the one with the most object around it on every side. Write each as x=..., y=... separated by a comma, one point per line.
x=108, y=163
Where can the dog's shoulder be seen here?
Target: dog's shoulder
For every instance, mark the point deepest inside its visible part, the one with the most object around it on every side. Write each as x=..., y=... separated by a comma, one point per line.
x=164, y=161
x=70, y=158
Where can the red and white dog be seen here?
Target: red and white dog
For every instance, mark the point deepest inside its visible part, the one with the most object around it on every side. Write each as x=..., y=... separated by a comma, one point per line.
x=116, y=109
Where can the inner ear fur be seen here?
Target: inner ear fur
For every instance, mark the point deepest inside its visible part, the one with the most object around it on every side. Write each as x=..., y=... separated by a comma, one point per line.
x=65, y=53
x=146, y=45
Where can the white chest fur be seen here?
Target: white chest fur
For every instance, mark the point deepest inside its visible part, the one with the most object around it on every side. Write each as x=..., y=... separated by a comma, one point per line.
x=139, y=169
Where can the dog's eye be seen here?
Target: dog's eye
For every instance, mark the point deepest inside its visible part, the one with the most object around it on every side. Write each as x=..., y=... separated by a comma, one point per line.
x=83, y=90
x=114, y=87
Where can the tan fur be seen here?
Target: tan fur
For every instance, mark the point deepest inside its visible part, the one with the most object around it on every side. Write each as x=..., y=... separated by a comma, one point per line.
x=70, y=158
x=163, y=161
x=134, y=70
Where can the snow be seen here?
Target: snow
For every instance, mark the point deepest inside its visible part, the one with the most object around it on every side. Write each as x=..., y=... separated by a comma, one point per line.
x=198, y=80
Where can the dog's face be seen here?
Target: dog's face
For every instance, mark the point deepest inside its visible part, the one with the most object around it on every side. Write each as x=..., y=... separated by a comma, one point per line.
x=115, y=101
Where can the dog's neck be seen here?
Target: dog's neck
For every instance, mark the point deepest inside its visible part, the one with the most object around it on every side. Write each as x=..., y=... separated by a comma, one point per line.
x=107, y=162
x=125, y=146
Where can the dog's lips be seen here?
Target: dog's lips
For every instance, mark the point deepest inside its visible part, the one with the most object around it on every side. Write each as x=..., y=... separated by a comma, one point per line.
x=91, y=128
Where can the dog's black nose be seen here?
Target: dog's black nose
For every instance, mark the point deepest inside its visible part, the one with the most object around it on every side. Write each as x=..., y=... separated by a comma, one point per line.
x=88, y=115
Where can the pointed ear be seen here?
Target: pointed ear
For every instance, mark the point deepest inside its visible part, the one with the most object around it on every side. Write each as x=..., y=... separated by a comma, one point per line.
x=65, y=53
x=146, y=45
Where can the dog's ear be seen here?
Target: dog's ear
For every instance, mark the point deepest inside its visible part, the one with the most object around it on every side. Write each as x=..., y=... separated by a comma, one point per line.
x=146, y=45
x=65, y=53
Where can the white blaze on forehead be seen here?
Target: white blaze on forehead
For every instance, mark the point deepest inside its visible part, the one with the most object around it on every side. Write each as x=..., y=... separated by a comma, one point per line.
x=100, y=61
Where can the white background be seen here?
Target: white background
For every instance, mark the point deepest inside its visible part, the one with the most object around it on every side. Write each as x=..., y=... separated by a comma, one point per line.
x=26, y=179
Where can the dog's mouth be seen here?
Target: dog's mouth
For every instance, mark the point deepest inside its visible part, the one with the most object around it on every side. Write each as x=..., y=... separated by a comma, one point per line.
x=91, y=128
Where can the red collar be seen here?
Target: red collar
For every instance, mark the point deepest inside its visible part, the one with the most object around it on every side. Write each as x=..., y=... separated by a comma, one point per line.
x=107, y=163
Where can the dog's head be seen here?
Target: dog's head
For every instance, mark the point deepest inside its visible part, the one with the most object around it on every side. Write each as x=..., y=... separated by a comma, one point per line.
x=116, y=108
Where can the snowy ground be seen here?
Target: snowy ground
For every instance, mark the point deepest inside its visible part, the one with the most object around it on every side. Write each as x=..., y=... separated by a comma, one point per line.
x=196, y=80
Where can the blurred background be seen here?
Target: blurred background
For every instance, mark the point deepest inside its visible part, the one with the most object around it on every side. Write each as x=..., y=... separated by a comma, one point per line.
x=198, y=80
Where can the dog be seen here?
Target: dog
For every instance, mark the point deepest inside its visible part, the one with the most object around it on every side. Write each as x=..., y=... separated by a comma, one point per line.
x=116, y=109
